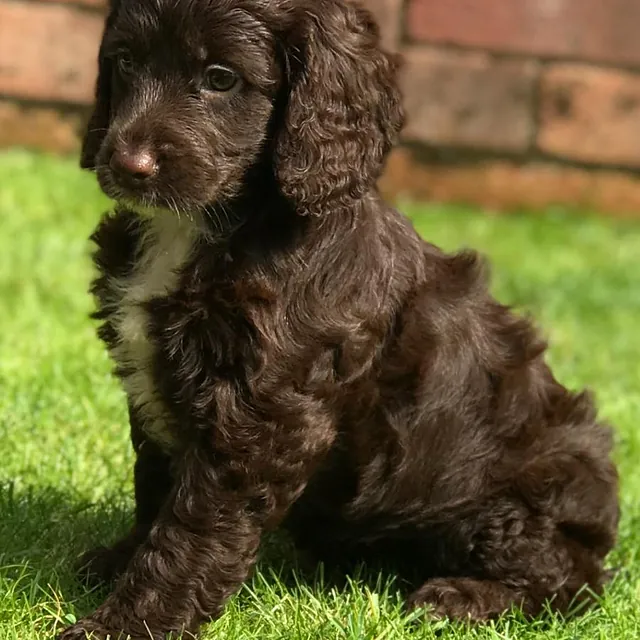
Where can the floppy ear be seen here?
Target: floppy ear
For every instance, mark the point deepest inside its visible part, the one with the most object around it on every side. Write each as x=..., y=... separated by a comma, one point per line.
x=344, y=108
x=100, y=117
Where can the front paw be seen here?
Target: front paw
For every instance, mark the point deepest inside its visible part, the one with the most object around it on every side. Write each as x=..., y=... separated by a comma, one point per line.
x=101, y=566
x=448, y=599
x=87, y=629
x=90, y=630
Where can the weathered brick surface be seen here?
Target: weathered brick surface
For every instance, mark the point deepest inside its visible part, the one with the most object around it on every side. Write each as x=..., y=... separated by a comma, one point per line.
x=48, y=51
x=39, y=127
x=389, y=18
x=600, y=30
x=503, y=185
x=468, y=99
x=97, y=4
x=461, y=100
x=590, y=114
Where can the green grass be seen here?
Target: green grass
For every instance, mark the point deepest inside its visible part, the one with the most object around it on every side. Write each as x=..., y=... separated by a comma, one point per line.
x=64, y=454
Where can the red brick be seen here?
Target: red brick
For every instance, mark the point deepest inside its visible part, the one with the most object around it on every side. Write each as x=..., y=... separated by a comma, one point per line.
x=501, y=185
x=39, y=127
x=590, y=114
x=48, y=51
x=388, y=14
x=468, y=99
x=99, y=4
x=599, y=30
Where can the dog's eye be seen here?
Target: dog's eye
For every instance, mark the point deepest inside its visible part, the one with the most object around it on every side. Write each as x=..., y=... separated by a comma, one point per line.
x=221, y=79
x=124, y=62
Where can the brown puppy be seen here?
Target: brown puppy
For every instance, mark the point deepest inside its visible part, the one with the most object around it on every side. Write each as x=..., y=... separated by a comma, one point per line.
x=294, y=354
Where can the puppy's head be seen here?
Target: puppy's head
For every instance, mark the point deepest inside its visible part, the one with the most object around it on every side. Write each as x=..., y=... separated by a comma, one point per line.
x=184, y=97
x=192, y=93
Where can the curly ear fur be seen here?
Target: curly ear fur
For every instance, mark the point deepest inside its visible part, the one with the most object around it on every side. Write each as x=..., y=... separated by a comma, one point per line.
x=100, y=117
x=344, y=110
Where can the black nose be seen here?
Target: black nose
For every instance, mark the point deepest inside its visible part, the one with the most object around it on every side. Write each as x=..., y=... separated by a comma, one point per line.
x=140, y=163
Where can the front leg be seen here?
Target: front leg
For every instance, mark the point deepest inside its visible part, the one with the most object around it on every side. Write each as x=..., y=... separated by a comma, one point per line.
x=152, y=483
x=200, y=550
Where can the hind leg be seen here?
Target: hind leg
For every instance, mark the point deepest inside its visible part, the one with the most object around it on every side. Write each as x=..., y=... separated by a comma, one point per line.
x=524, y=564
x=524, y=557
x=460, y=598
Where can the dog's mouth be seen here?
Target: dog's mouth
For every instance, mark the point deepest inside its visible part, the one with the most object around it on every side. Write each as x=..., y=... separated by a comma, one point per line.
x=125, y=192
x=143, y=196
x=131, y=174
x=184, y=183
x=141, y=179
x=149, y=199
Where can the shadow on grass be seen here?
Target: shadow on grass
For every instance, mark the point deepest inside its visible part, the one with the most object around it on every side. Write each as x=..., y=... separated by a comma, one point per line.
x=43, y=530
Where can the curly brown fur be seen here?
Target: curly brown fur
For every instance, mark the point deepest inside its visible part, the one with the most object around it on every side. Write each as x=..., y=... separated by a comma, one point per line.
x=294, y=354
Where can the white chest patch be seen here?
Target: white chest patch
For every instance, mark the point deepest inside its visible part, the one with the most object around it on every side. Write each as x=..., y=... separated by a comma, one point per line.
x=165, y=249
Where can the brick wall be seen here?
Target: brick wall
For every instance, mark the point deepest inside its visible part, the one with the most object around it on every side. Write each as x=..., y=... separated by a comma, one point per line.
x=47, y=70
x=511, y=103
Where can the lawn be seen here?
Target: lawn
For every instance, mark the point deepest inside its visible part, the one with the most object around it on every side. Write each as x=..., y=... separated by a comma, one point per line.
x=65, y=462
